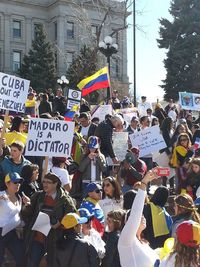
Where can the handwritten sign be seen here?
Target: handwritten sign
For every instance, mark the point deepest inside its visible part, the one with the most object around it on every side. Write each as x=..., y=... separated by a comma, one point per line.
x=49, y=138
x=120, y=144
x=13, y=92
x=148, y=140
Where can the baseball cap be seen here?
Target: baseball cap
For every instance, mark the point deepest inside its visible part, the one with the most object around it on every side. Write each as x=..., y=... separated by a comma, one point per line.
x=93, y=142
x=188, y=233
x=13, y=177
x=92, y=187
x=85, y=213
x=134, y=118
x=71, y=219
x=130, y=158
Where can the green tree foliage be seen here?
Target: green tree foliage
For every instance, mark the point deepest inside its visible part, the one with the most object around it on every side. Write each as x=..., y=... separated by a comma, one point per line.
x=83, y=65
x=38, y=65
x=181, y=38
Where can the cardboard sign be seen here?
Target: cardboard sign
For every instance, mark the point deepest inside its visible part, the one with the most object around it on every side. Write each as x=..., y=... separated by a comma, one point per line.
x=148, y=140
x=49, y=138
x=120, y=144
x=189, y=101
x=13, y=92
x=102, y=111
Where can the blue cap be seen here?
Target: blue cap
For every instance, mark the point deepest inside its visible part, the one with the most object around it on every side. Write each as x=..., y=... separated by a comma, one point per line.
x=93, y=142
x=13, y=177
x=92, y=187
x=85, y=213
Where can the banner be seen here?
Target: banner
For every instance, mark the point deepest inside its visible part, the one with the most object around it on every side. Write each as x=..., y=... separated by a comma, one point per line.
x=50, y=138
x=120, y=144
x=148, y=140
x=189, y=101
x=102, y=111
x=13, y=92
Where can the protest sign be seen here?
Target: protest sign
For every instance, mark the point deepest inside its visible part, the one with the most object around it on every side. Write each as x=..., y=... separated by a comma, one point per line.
x=73, y=98
x=148, y=140
x=120, y=144
x=189, y=101
x=102, y=111
x=49, y=138
x=13, y=92
x=128, y=113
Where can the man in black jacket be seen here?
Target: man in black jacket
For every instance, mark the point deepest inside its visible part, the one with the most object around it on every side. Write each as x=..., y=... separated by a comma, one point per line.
x=59, y=102
x=72, y=250
x=105, y=131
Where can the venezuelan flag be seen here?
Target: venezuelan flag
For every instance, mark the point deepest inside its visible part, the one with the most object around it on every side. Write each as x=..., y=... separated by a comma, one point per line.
x=69, y=115
x=97, y=81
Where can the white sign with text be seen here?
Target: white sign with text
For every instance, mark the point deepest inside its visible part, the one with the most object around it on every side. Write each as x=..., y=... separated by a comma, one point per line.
x=148, y=140
x=13, y=92
x=50, y=138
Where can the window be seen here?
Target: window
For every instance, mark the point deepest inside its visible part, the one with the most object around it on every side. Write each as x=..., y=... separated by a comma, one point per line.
x=17, y=29
x=70, y=57
x=70, y=30
x=94, y=30
x=16, y=60
x=37, y=26
x=55, y=30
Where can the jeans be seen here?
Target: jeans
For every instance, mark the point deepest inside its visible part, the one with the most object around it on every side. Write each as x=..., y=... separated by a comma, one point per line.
x=37, y=252
x=14, y=245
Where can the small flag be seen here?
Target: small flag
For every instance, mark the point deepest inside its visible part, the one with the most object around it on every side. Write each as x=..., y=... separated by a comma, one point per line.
x=69, y=115
x=97, y=81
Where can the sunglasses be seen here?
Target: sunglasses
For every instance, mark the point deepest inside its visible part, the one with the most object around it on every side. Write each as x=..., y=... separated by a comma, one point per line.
x=16, y=182
x=97, y=191
x=182, y=140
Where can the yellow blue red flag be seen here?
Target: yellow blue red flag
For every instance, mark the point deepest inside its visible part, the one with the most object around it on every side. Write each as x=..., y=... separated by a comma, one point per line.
x=97, y=81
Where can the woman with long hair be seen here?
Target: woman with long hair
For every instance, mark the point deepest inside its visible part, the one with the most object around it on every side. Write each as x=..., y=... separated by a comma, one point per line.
x=185, y=209
x=111, y=197
x=186, y=251
x=114, y=222
x=182, y=150
x=193, y=177
x=30, y=175
x=181, y=128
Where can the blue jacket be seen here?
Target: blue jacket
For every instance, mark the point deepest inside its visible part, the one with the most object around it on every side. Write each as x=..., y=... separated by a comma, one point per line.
x=7, y=165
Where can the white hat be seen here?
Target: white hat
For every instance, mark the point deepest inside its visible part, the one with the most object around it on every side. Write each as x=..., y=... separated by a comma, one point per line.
x=198, y=192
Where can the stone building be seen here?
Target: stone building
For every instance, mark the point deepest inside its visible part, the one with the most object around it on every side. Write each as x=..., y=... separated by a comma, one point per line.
x=69, y=25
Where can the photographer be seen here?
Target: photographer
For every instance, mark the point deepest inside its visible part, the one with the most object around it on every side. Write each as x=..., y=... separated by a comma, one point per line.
x=132, y=169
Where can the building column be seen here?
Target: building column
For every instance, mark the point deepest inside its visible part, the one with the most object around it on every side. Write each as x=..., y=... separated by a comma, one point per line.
x=7, y=43
x=61, y=35
x=28, y=34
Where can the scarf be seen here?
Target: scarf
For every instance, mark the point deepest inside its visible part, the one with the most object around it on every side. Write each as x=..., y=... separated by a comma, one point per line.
x=174, y=160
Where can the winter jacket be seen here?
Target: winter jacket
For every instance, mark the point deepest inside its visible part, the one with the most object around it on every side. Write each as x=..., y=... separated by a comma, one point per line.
x=112, y=256
x=64, y=205
x=85, y=167
x=44, y=107
x=73, y=251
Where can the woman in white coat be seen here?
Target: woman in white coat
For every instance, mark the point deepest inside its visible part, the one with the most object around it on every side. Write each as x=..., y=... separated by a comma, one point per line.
x=133, y=250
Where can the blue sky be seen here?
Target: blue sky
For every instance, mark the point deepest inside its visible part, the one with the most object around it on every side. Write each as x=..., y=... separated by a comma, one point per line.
x=150, y=69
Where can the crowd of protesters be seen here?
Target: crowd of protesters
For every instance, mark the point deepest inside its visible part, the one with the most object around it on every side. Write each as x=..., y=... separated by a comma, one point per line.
x=102, y=211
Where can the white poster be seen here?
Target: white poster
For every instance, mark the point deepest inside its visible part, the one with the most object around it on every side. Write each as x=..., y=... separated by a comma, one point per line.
x=52, y=138
x=102, y=111
x=120, y=144
x=128, y=113
x=148, y=141
x=74, y=94
x=13, y=92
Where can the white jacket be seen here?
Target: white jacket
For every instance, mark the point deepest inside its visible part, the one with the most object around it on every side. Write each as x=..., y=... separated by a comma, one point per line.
x=132, y=252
